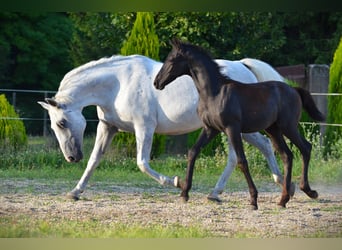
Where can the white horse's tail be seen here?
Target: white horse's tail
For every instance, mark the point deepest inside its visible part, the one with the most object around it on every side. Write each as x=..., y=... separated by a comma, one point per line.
x=262, y=70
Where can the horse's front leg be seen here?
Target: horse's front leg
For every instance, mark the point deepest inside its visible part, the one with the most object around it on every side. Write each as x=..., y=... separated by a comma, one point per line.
x=104, y=136
x=144, y=139
x=206, y=135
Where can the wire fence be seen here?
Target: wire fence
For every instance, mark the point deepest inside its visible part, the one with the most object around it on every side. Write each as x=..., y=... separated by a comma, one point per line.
x=31, y=113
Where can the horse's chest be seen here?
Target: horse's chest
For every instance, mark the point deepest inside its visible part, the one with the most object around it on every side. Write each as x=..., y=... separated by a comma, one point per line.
x=211, y=115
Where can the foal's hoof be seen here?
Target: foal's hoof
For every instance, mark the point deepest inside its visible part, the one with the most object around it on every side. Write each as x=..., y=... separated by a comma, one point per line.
x=281, y=206
x=184, y=199
x=312, y=194
x=253, y=207
x=292, y=189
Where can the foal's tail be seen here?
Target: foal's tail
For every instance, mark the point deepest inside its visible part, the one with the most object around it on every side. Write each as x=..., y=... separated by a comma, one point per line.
x=309, y=105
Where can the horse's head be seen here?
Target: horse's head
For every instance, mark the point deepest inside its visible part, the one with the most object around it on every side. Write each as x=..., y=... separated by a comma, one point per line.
x=68, y=126
x=175, y=65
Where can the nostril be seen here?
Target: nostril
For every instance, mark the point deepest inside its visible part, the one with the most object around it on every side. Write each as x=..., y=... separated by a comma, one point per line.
x=71, y=159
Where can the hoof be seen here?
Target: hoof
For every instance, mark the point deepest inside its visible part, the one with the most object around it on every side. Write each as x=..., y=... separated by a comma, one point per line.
x=184, y=199
x=281, y=206
x=72, y=196
x=176, y=181
x=292, y=189
x=214, y=198
x=253, y=207
x=312, y=194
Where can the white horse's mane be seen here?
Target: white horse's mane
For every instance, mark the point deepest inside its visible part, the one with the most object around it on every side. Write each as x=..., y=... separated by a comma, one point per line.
x=76, y=75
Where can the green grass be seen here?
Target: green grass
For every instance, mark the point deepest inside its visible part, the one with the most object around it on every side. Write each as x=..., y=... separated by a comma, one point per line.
x=25, y=227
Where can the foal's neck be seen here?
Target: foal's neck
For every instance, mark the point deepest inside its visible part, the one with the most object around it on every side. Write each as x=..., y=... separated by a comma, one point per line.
x=206, y=75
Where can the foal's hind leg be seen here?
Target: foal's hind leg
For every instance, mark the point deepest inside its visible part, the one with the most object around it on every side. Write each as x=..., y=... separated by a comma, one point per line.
x=235, y=138
x=305, y=149
x=264, y=145
x=287, y=157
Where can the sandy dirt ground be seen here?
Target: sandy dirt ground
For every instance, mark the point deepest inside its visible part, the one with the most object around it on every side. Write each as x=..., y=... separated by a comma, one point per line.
x=143, y=206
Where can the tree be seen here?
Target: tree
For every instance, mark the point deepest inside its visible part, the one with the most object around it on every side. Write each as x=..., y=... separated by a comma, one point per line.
x=334, y=102
x=12, y=131
x=230, y=35
x=98, y=35
x=34, y=51
x=143, y=39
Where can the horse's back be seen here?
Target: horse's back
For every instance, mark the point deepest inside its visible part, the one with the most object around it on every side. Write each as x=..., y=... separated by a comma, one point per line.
x=236, y=70
x=262, y=70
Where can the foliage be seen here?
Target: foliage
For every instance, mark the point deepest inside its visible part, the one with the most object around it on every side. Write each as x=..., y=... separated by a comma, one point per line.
x=12, y=131
x=311, y=37
x=143, y=39
x=334, y=102
x=98, y=35
x=37, y=49
x=33, y=49
x=231, y=35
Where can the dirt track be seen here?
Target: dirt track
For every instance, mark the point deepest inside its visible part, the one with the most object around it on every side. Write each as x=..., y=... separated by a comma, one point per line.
x=151, y=206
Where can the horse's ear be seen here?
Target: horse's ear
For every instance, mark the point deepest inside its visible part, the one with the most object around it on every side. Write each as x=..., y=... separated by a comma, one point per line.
x=44, y=105
x=52, y=102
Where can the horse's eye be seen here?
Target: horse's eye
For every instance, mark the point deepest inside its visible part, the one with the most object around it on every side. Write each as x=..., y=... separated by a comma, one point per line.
x=61, y=124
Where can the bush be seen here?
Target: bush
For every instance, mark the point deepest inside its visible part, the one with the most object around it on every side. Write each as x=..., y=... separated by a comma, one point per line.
x=334, y=102
x=12, y=131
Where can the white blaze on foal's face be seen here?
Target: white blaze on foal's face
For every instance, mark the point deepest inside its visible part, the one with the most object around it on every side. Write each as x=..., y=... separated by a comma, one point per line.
x=68, y=126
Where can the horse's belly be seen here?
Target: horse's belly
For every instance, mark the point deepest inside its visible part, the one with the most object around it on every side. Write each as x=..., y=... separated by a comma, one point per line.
x=176, y=125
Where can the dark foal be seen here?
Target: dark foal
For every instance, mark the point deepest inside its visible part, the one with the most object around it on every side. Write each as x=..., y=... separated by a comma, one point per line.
x=234, y=108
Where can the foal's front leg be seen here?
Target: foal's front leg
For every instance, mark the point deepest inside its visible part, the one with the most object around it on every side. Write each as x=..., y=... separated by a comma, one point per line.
x=206, y=135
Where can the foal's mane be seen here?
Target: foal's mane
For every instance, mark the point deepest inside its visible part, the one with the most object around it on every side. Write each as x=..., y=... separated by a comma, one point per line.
x=186, y=46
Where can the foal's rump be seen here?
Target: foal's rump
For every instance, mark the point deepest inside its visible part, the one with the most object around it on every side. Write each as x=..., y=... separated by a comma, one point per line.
x=260, y=105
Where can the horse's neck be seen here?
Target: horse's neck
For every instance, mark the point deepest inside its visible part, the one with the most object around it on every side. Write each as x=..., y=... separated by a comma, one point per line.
x=89, y=93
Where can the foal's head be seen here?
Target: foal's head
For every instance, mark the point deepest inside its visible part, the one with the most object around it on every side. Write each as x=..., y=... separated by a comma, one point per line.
x=68, y=126
x=175, y=65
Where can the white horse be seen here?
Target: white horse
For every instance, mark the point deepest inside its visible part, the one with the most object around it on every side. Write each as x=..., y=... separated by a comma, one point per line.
x=122, y=89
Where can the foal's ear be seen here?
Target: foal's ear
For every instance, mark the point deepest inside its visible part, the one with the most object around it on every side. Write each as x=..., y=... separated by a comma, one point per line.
x=175, y=42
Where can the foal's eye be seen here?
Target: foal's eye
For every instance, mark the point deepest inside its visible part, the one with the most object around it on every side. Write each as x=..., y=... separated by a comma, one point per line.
x=61, y=124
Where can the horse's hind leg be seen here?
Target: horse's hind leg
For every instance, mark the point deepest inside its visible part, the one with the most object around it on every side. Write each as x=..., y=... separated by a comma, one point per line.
x=287, y=158
x=231, y=163
x=305, y=149
x=235, y=138
x=264, y=145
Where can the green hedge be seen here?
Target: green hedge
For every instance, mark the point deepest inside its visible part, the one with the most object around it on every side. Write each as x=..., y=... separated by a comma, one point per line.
x=334, y=102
